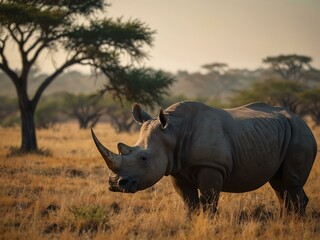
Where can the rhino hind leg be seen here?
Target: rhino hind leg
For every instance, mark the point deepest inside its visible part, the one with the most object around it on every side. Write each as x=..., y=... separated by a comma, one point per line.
x=281, y=193
x=299, y=156
x=290, y=198
x=298, y=200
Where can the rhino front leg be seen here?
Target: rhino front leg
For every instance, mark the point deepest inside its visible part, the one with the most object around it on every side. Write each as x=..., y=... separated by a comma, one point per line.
x=210, y=185
x=209, y=200
x=189, y=194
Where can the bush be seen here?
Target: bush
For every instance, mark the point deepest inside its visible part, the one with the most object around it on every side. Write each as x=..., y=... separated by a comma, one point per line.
x=311, y=103
x=8, y=112
x=10, y=121
x=89, y=218
x=273, y=91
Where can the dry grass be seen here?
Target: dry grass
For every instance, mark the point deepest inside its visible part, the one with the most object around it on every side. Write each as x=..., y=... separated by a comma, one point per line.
x=65, y=196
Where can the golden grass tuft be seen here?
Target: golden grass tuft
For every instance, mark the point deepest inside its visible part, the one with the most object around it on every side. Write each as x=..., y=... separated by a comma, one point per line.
x=65, y=195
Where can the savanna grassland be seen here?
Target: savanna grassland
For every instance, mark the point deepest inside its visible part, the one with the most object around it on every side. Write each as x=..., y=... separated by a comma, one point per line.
x=63, y=194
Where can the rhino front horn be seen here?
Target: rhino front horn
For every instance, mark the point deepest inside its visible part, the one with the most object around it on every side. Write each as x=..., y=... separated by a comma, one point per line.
x=112, y=160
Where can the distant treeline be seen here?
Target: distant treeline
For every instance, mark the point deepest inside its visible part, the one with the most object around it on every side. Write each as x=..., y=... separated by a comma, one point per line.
x=89, y=109
x=287, y=82
x=86, y=109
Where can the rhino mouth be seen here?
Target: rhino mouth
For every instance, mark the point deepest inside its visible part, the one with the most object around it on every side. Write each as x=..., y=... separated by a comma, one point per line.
x=123, y=184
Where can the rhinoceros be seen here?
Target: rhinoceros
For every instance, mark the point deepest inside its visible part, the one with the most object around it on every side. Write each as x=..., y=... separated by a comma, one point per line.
x=207, y=151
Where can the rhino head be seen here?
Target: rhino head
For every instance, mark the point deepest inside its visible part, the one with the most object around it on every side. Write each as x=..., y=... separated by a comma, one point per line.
x=142, y=165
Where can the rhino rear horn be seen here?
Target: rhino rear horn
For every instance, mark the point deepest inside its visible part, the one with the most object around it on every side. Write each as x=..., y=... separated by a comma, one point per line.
x=112, y=160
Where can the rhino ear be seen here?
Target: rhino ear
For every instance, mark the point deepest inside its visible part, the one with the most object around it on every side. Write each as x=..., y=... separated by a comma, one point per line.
x=163, y=119
x=139, y=115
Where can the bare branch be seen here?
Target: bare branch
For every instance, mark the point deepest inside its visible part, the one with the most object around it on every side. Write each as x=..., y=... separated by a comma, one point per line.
x=49, y=79
x=3, y=44
x=34, y=45
x=38, y=51
x=41, y=43
x=21, y=34
x=4, y=63
x=26, y=65
x=11, y=31
x=30, y=32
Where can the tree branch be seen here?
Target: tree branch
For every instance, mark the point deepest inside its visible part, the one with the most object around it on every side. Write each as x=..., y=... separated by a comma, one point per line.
x=13, y=35
x=4, y=64
x=34, y=45
x=26, y=65
x=30, y=32
x=38, y=51
x=49, y=79
x=45, y=42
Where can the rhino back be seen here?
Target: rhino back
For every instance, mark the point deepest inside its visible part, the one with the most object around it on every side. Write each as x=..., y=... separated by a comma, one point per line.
x=259, y=138
x=247, y=144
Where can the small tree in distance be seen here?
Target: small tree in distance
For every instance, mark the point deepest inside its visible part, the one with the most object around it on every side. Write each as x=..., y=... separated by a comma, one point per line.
x=48, y=112
x=289, y=67
x=285, y=91
x=120, y=118
x=219, y=68
x=272, y=91
x=41, y=26
x=87, y=109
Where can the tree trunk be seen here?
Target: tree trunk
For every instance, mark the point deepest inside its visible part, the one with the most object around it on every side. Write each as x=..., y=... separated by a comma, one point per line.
x=29, y=141
x=83, y=124
x=28, y=130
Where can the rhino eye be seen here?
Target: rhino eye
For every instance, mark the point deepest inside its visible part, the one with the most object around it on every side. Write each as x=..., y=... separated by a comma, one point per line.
x=144, y=159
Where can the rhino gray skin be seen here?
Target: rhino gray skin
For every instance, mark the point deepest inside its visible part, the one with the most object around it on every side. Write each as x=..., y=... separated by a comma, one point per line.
x=207, y=151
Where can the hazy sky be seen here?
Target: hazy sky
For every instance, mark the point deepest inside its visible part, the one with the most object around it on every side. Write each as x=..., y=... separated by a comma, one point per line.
x=237, y=32
x=191, y=33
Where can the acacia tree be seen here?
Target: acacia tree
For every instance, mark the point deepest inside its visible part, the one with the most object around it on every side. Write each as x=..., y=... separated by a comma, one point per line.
x=289, y=67
x=48, y=112
x=120, y=118
x=285, y=91
x=215, y=76
x=217, y=67
x=87, y=109
x=42, y=26
x=273, y=91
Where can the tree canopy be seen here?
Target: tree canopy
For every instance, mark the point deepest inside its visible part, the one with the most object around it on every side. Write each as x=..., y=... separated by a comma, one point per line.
x=109, y=46
x=289, y=66
x=273, y=91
